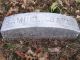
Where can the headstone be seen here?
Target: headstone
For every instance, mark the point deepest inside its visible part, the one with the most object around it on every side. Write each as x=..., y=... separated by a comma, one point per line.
x=39, y=25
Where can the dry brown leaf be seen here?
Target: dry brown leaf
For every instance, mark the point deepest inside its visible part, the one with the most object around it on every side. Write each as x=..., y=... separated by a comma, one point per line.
x=1, y=56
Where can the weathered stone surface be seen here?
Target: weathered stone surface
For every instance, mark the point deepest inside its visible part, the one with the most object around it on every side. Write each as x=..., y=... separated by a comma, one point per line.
x=39, y=25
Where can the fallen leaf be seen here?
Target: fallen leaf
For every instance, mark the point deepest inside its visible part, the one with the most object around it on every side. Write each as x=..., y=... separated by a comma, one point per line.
x=54, y=6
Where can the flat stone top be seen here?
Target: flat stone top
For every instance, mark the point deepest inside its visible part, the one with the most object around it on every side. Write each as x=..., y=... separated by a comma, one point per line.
x=39, y=19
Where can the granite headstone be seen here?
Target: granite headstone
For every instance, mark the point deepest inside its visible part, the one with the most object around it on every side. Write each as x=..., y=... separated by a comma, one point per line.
x=39, y=25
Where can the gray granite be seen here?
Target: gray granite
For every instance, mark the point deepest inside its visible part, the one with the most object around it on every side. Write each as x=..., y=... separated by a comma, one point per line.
x=39, y=25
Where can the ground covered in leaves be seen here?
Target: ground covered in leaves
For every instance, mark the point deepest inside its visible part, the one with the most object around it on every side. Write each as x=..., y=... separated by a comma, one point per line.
x=40, y=49
x=45, y=49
